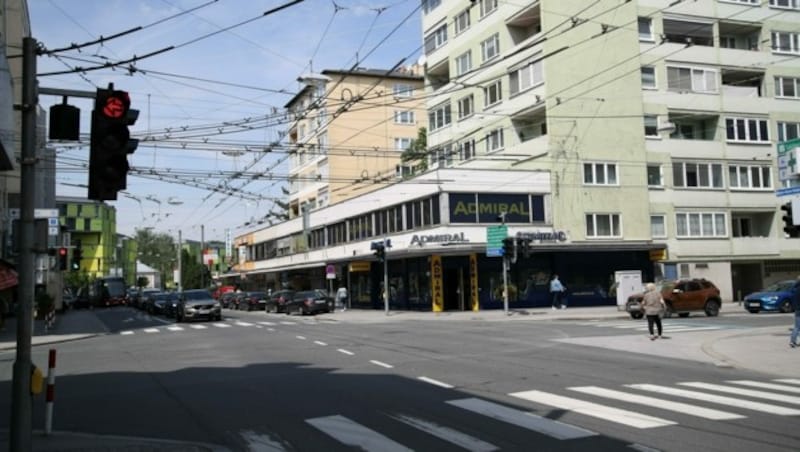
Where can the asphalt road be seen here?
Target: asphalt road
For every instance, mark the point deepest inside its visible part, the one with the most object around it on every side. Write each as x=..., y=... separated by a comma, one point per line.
x=272, y=382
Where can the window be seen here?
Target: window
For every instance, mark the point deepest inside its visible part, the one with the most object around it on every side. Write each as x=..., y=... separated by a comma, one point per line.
x=494, y=140
x=785, y=42
x=788, y=131
x=461, y=22
x=654, y=177
x=402, y=90
x=648, y=77
x=487, y=6
x=436, y=39
x=466, y=106
x=464, y=63
x=442, y=156
x=697, y=175
x=691, y=79
x=741, y=227
x=439, y=117
x=601, y=225
x=430, y=5
x=749, y=2
x=404, y=117
x=490, y=48
x=600, y=174
x=651, y=126
x=658, y=226
x=525, y=77
x=787, y=87
x=700, y=224
x=401, y=144
x=466, y=150
x=492, y=94
x=645, y=29
x=747, y=129
x=790, y=4
x=750, y=177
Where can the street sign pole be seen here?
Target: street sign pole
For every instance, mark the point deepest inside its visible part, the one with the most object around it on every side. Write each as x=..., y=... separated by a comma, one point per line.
x=385, y=279
x=505, y=284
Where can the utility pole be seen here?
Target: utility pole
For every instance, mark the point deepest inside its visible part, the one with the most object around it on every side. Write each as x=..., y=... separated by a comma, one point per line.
x=505, y=269
x=180, y=263
x=385, y=278
x=202, y=256
x=21, y=398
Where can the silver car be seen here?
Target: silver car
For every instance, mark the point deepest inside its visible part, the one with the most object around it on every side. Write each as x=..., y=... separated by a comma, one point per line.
x=197, y=304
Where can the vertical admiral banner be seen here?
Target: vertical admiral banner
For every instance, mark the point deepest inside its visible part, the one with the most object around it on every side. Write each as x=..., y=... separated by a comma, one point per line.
x=436, y=283
x=473, y=281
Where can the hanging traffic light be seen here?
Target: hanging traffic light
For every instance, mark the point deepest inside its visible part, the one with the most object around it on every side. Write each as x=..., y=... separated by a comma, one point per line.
x=110, y=143
x=77, y=255
x=508, y=247
x=379, y=250
x=63, y=258
x=789, y=227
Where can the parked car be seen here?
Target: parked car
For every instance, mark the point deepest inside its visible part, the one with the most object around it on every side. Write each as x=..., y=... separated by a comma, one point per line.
x=227, y=300
x=165, y=303
x=777, y=297
x=197, y=304
x=681, y=297
x=309, y=302
x=277, y=301
x=82, y=298
x=251, y=301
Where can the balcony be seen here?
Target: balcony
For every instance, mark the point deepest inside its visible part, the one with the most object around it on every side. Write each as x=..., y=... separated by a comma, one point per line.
x=688, y=126
x=686, y=32
x=739, y=35
x=525, y=24
x=438, y=75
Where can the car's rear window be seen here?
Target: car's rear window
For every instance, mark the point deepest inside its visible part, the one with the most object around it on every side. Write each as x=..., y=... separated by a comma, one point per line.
x=197, y=294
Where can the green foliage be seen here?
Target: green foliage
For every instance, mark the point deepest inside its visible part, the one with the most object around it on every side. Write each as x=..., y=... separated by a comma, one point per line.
x=142, y=281
x=76, y=280
x=417, y=153
x=193, y=273
x=157, y=250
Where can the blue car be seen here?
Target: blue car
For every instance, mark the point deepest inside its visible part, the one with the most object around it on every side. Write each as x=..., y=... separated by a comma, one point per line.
x=777, y=297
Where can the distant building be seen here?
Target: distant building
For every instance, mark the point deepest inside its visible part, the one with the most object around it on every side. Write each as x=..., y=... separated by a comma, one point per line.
x=93, y=224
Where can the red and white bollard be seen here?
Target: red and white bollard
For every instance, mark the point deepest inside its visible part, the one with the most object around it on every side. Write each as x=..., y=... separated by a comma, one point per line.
x=51, y=387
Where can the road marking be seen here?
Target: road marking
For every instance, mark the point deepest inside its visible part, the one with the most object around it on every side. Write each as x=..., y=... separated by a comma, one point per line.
x=346, y=352
x=126, y=333
x=530, y=421
x=198, y=327
x=288, y=323
x=793, y=381
x=151, y=330
x=744, y=392
x=259, y=326
x=685, y=408
x=302, y=338
x=270, y=329
x=320, y=343
x=240, y=323
x=174, y=328
x=221, y=325
x=722, y=400
x=353, y=434
x=436, y=382
x=758, y=384
x=267, y=323
x=687, y=328
x=630, y=418
x=447, y=434
x=382, y=364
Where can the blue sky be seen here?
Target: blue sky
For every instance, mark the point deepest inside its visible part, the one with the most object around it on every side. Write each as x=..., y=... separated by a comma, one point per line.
x=258, y=63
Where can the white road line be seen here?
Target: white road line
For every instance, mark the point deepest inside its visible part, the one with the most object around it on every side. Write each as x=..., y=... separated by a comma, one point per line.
x=198, y=327
x=661, y=404
x=302, y=338
x=744, y=392
x=259, y=326
x=126, y=333
x=270, y=329
x=382, y=364
x=353, y=434
x=793, y=381
x=436, y=382
x=320, y=343
x=530, y=421
x=288, y=323
x=447, y=434
x=611, y=414
x=346, y=352
x=151, y=330
x=174, y=328
x=240, y=323
x=722, y=400
x=667, y=329
x=758, y=384
x=221, y=325
x=267, y=323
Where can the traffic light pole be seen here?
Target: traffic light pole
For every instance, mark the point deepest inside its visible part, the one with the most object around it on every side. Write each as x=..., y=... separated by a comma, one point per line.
x=385, y=279
x=21, y=399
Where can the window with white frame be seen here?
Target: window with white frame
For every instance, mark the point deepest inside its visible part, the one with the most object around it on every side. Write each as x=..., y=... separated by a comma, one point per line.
x=603, y=225
x=645, y=29
x=402, y=90
x=654, y=176
x=691, y=79
x=492, y=94
x=696, y=175
x=466, y=106
x=658, y=226
x=787, y=87
x=490, y=48
x=461, y=21
x=464, y=63
x=487, y=6
x=401, y=144
x=700, y=224
x=747, y=129
x=404, y=117
x=436, y=39
x=648, y=77
x=756, y=177
x=429, y=5
x=651, y=126
x=600, y=174
x=788, y=130
x=439, y=117
x=494, y=140
x=466, y=150
x=749, y=2
x=785, y=42
x=789, y=4
x=525, y=77
x=442, y=156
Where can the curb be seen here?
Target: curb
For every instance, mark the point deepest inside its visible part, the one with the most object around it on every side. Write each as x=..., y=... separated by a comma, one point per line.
x=55, y=340
x=98, y=442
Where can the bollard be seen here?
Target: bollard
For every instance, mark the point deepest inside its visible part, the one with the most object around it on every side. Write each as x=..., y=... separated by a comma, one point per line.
x=51, y=383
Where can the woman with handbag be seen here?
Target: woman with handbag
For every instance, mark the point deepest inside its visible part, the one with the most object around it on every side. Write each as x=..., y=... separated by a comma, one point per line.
x=653, y=305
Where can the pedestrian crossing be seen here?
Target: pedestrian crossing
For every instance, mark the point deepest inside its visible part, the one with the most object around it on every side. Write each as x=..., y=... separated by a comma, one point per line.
x=227, y=323
x=659, y=406
x=668, y=326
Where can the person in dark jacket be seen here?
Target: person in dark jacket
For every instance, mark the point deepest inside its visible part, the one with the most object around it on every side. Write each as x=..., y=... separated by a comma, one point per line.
x=796, y=330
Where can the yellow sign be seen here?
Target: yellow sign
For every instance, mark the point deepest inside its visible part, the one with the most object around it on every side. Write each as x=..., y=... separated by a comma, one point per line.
x=359, y=266
x=473, y=281
x=436, y=283
x=658, y=255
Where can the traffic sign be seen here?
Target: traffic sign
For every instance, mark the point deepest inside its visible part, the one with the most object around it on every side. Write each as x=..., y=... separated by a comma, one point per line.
x=330, y=272
x=494, y=240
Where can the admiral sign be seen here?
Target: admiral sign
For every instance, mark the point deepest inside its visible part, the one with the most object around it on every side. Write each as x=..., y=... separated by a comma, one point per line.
x=418, y=239
x=547, y=236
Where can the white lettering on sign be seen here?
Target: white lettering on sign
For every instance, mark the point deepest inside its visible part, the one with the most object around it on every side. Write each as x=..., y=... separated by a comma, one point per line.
x=432, y=238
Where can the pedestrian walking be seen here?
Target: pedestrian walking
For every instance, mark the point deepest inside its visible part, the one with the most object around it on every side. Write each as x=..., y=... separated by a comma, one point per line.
x=653, y=306
x=341, y=297
x=557, y=293
x=796, y=330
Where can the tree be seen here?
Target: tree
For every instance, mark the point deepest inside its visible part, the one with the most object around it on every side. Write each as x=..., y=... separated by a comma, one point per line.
x=142, y=281
x=192, y=271
x=158, y=251
x=416, y=155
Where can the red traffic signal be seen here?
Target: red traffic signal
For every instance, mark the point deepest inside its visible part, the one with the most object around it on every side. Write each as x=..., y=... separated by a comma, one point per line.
x=62, y=258
x=62, y=252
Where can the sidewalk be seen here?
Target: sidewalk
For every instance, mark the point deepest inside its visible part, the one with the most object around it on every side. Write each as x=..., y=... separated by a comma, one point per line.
x=58, y=441
x=68, y=326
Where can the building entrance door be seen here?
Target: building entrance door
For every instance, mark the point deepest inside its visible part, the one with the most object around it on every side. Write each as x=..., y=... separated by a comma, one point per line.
x=455, y=284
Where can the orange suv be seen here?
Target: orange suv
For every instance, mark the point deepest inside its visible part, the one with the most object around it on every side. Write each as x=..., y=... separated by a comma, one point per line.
x=681, y=297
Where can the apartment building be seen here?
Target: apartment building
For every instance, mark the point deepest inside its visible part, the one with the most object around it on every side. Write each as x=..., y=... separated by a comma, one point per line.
x=93, y=224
